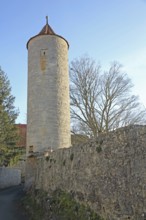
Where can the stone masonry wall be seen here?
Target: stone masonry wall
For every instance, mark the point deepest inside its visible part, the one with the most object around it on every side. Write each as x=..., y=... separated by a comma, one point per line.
x=109, y=173
x=9, y=177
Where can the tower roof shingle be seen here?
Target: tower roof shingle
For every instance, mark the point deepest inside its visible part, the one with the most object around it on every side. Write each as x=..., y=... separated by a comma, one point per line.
x=47, y=30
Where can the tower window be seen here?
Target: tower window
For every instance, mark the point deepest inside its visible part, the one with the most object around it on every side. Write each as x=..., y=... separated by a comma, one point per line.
x=43, y=52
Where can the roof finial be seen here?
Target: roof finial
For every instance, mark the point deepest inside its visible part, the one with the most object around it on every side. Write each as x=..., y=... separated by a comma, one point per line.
x=46, y=19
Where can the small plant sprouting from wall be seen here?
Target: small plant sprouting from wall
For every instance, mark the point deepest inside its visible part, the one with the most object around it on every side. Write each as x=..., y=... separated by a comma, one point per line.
x=50, y=159
x=98, y=149
x=64, y=162
x=72, y=157
x=47, y=158
x=99, y=144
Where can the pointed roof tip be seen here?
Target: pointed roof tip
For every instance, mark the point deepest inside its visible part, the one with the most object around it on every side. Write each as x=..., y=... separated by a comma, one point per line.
x=47, y=29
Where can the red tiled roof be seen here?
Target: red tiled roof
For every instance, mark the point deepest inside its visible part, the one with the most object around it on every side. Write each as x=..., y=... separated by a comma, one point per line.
x=47, y=30
x=21, y=125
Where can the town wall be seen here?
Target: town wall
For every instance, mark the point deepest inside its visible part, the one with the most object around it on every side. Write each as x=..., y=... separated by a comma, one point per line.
x=108, y=174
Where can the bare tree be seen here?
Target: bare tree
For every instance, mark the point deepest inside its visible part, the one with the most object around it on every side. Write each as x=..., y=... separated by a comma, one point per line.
x=102, y=101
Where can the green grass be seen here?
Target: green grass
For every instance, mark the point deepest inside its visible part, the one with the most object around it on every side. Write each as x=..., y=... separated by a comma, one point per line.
x=61, y=205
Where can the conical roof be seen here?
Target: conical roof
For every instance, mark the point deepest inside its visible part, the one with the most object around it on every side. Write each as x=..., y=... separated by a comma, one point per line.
x=46, y=30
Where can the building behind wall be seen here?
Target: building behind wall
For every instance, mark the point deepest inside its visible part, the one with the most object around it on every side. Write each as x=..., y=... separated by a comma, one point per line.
x=22, y=128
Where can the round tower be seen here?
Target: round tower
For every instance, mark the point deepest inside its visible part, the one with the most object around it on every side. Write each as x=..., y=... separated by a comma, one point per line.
x=48, y=107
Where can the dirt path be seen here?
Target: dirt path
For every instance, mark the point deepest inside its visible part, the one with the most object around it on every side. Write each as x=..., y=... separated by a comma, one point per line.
x=10, y=204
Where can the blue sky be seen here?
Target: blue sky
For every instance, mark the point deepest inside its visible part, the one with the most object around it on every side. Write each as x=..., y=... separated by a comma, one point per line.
x=106, y=30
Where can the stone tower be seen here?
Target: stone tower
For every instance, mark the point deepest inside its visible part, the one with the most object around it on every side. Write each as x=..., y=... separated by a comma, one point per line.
x=48, y=111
